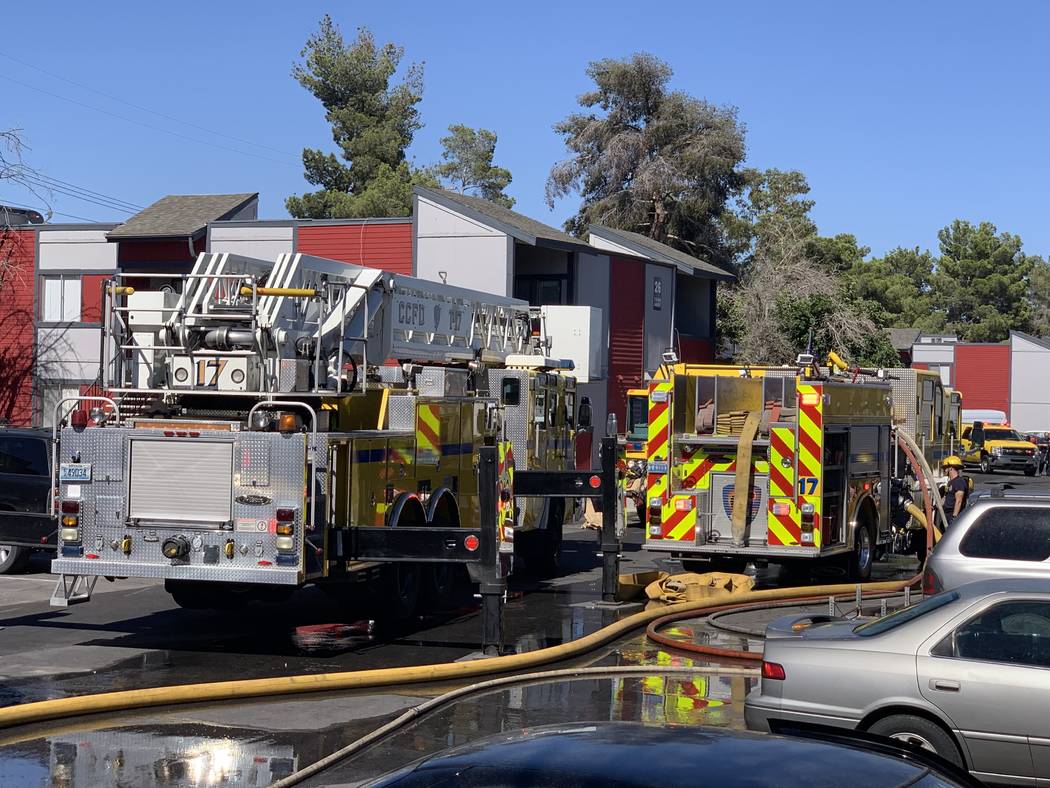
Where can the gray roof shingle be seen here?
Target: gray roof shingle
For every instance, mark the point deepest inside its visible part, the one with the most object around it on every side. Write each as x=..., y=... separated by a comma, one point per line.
x=660, y=252
x=903, y=338
x=504, y=219
x=181, y=215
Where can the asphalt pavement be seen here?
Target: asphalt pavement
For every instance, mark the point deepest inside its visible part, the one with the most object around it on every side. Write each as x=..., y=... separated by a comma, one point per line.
x=131, y=635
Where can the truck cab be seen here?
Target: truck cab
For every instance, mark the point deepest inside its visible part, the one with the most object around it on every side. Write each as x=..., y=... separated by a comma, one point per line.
x=993, y=447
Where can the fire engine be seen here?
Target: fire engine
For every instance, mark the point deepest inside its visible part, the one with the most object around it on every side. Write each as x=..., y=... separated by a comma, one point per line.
x=270, y=424
x=780, y=464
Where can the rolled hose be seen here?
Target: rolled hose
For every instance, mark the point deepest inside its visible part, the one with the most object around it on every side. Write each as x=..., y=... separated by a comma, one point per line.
x=211, y=692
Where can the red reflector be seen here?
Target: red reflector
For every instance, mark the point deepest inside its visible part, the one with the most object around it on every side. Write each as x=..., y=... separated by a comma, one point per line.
x=169, y=434
x=90, y=555
x=195, y=434
x=595, y=482
x=70, y=507
x=771, y=670
x=472, y=543
x=181, y=434
x=867, y=486
x=265, y=563
x=782, y=509
x=931, y=584
x=79, y=419
x=285, y=515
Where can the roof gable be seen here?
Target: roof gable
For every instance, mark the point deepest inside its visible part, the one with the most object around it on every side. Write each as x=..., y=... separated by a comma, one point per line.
x=643, y=246
x=512, y=223
x=182, y=215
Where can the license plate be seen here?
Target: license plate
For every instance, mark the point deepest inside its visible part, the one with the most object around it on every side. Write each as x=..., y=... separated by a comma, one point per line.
x=74, y=472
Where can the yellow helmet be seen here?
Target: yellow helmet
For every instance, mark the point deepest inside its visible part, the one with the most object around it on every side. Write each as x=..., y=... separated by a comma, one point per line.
x=951, y=461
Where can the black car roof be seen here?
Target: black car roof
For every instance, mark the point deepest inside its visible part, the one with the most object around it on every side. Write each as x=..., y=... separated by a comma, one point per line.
x=625, y=754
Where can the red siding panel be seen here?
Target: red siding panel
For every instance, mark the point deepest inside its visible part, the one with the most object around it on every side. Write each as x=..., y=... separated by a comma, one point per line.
x=696, y=351
x=982, y=374
x=167, y=251
x=91, y=297
x=17, y=296
x=626, y=333
x=387, y=246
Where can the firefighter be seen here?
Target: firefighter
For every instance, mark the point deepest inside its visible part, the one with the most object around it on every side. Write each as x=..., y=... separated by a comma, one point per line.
x=957, y=491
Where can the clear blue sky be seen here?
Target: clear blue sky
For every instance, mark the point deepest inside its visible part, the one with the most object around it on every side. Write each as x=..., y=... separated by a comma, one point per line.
x=903, y=115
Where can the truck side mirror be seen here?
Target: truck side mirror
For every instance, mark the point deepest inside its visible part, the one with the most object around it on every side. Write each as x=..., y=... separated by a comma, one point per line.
x=585, y=416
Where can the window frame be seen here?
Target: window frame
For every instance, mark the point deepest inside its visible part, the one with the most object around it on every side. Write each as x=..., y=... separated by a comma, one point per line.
x=991, y=604
x=991, y=517
x=64, y=279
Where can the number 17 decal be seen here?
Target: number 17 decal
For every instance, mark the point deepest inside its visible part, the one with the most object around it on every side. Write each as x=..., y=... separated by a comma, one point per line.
x=807, y=485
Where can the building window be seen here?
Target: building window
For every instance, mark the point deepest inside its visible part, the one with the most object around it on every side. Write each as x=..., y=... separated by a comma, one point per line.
x=61, y=299
x=540, y=290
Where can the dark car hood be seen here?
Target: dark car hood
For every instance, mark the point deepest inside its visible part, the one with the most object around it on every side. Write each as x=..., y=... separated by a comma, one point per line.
x=624, y=754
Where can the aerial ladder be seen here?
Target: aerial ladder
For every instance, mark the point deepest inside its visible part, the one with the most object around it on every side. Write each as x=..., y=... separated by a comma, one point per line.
x=248, y=377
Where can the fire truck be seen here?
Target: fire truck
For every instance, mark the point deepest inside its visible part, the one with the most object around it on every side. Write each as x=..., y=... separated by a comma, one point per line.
x=779, y=464
x=271, y=424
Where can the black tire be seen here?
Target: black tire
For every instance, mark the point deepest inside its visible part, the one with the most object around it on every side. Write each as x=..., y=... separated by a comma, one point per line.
x=862, y=556
x=1029, y=471
x=402, y=591
x=921, y=732
x=13, y=558
x=188, y=595
x=986, y=465
x=192, y=595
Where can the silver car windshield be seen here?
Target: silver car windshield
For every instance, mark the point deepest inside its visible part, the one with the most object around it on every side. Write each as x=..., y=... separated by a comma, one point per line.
x=904, y=615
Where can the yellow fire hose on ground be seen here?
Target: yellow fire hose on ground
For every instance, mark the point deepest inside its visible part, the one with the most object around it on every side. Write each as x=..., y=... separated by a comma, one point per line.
x=125, y=700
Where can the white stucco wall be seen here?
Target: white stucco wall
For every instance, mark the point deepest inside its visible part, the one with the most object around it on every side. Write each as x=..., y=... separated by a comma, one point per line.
x=1029, y=384
x=262, y=242
x=76, y=250
x=68, y=353
x=592, y=289
x=470, y=253
x=931, y=353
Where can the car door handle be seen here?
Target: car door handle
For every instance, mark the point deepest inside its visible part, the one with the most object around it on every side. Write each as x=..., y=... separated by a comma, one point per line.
x=944, y=685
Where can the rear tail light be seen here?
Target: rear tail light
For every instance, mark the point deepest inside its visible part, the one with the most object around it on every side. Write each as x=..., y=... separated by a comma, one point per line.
x=773, y=671
x=285, y=543
x=286, y=515
x=931, y=584
x=70, y=507
x=69, y=521
x=285, y=529
x=70, y=535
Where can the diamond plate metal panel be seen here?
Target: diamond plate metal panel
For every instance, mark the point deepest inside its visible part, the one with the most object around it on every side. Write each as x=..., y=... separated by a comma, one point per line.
x=441, y=382
x=252, y=528
x=401, y=413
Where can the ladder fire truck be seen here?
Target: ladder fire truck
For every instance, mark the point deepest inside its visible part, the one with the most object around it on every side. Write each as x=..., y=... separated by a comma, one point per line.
x=814, y=450
x=272, y=424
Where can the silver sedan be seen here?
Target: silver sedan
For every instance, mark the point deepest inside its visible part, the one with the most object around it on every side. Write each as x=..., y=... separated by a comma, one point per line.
x=965, y=673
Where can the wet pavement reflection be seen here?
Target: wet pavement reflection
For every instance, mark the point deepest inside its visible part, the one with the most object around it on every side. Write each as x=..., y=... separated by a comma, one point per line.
x=255, y=742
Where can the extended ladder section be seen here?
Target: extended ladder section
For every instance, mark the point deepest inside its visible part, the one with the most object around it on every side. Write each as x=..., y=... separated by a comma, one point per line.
x=300, y=324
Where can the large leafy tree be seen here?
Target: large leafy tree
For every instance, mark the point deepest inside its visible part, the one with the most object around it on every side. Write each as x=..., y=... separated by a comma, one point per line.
x=982, y=282
x=1040, y=296
x=467, y=164
x=901, y=283
x=373, y=119
x=791, y=293
x=650, y=159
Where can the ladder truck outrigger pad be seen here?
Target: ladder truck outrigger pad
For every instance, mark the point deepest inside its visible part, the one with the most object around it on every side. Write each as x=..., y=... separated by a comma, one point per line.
x=270, y=424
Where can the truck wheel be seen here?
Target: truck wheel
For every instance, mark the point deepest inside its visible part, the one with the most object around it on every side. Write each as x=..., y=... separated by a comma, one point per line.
x=919, y=732
x=986, y=465
x=863, y=555
x=402, y=590
x=13, y=558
